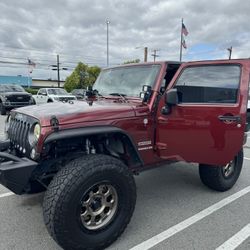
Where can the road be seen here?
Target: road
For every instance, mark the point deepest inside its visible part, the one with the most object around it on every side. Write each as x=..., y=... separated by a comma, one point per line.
x=173, y=211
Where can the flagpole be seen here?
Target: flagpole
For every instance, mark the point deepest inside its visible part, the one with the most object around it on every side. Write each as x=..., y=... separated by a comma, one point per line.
x=181, y=40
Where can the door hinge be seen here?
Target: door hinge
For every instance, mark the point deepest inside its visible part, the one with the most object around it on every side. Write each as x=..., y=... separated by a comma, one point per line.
x=160, y=145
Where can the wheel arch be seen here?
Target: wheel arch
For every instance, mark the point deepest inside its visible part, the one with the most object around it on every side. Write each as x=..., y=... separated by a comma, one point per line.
x=97, y=131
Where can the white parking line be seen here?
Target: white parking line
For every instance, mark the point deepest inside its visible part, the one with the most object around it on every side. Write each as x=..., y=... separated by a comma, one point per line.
x=236, y=240
x=247, y=158
x=6, y=194
x=190, y=221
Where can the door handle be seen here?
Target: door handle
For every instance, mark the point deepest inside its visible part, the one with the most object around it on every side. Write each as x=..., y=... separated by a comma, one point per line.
x=229, y=118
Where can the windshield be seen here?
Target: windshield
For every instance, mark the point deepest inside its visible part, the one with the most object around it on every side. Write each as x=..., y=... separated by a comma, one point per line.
x=11, y=88
x=57, y=92
x=126, y=80
x=78, y=91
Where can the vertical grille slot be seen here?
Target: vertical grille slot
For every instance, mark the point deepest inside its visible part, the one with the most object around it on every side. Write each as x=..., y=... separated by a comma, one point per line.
x=18, y=134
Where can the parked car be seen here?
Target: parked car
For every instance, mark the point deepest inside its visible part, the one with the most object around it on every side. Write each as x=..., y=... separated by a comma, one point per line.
x=45, y=95
x=79, y=93
x=13, y=96
x=85, y=153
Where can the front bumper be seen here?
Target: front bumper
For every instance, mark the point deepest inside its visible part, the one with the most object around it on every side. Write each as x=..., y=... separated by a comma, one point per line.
x=15, y=172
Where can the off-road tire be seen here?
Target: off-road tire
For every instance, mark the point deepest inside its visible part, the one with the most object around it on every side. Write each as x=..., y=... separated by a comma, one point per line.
x=49, y=101
x=64, y=195
x=3, y=109
x=215, y=178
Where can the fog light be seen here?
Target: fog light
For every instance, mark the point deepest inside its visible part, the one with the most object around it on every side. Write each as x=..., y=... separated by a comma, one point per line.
x=33, y=153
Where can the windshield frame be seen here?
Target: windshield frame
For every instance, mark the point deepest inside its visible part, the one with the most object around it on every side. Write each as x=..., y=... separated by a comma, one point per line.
x=154, y=71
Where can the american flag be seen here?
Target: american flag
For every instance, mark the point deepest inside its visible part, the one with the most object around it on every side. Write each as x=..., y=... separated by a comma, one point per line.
x=31, y=63
x=184, y=44
x=184, y=29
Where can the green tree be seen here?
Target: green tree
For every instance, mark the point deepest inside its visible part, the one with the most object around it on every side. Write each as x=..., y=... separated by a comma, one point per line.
x=82, y=77
x=93, y=73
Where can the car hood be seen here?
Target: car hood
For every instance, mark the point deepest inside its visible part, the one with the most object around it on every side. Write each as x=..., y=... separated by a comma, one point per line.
x=15, y=93
x=78, y=111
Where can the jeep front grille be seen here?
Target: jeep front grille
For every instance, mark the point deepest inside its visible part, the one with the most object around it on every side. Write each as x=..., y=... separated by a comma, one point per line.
x=18, y=98
x=18, y=133
x=66, y=99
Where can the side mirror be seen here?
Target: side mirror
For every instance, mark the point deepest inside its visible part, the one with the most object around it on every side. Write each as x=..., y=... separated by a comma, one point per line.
x=171, y=97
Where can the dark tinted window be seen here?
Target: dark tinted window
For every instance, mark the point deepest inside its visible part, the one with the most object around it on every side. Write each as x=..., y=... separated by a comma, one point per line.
x=209, y=84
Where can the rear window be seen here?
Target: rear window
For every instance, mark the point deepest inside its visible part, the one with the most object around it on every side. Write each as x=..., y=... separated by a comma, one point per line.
x=209, y=84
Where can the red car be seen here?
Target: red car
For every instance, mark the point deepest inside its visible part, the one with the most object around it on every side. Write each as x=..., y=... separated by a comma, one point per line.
x=84, y=153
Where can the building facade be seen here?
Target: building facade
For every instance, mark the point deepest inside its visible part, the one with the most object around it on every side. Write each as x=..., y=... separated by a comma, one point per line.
x=26, y=81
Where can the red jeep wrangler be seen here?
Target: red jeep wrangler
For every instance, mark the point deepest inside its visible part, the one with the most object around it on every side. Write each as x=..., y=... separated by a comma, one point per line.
x=84, y=153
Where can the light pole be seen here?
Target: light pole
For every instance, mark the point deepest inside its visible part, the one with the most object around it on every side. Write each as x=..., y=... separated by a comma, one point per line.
x=107, y=22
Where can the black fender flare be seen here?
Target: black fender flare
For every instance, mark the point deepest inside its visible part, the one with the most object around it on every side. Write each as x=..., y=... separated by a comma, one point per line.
x=97, y=130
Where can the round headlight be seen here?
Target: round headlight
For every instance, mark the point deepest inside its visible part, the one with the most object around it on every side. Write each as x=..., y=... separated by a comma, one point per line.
x=34, y=134
x=37, y=131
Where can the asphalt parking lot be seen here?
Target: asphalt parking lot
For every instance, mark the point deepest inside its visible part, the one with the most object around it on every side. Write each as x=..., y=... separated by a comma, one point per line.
x=173, y=211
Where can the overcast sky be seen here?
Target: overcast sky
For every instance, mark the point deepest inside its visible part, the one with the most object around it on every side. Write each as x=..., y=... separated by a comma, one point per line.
x=77, y=31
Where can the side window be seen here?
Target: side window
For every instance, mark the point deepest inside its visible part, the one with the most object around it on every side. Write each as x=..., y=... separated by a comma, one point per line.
x=209, y=84
x=42, y=92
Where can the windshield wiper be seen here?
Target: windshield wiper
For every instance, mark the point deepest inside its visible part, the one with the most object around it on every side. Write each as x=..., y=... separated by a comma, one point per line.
x=120, y=95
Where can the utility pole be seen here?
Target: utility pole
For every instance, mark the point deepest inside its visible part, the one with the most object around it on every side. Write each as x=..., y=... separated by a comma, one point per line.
x=58, y=72
x=155, y=54
x=230, y=52
x=57, y=68
x=145, y=54
x=107, y=22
